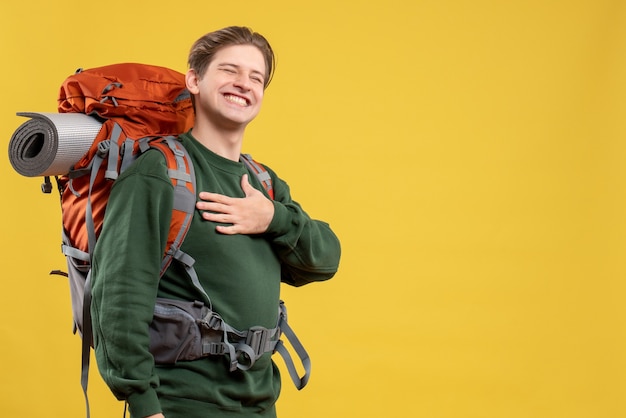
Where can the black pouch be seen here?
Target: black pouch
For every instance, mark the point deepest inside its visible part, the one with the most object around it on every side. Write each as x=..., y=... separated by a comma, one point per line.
x=175, y=331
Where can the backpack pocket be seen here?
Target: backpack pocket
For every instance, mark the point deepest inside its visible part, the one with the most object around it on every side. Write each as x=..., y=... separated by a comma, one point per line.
x=175, y=332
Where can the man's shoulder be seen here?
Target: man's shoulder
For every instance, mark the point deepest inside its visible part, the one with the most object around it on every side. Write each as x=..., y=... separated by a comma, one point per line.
x=150, y=163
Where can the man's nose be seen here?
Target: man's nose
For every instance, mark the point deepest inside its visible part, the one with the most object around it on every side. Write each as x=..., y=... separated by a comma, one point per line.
x=242, y=81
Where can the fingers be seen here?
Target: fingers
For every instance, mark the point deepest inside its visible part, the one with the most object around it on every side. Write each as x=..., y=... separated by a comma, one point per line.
x=214, y=202
x=227, y=230
x=215, y=197
x=223, y=218
x=213, y=206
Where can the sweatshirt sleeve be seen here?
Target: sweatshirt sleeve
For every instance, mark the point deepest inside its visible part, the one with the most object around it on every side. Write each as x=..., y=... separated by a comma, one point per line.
x=308, y=249
x=125, y=277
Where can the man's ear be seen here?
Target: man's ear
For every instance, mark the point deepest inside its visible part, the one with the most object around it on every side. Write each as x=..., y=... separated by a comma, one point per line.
x=192, y=80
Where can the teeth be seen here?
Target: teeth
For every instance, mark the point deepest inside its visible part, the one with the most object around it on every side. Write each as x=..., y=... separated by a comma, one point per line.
x=235, y=99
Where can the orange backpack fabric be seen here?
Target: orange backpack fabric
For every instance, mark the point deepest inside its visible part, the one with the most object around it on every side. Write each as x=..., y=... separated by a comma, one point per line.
x=146, y=102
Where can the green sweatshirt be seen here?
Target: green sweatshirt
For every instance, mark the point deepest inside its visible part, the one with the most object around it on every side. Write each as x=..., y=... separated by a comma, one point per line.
x=240, y=273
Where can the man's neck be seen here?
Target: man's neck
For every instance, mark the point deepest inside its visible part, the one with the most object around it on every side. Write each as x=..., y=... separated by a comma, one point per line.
x=225, y=143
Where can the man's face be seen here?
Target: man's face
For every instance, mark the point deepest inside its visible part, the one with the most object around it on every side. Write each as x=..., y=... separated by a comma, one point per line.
x=230, y=92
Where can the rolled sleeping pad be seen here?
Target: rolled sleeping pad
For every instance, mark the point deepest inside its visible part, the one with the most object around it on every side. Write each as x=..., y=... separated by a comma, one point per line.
x=49, y=144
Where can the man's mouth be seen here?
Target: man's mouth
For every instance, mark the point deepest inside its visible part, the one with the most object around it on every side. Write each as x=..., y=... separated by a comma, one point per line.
x=236, y=99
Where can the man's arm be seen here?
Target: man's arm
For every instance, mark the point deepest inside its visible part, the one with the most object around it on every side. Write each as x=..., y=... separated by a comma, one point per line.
x=125, y=275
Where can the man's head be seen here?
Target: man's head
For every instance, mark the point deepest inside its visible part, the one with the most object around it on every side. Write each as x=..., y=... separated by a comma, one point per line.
x=229, y=70
x=205, y=48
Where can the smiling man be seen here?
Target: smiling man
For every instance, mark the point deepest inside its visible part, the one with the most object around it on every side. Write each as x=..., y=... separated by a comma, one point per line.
x=244, y=244
x=227, y=94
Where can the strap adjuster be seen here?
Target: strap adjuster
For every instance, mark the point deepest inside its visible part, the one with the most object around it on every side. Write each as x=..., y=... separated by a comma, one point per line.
x=212, y=321
x=256, y=339
x=213, y=349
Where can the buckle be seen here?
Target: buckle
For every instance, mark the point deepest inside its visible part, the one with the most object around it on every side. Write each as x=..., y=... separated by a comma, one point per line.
x=103, y=148
x=257, y=340
x=211, y=321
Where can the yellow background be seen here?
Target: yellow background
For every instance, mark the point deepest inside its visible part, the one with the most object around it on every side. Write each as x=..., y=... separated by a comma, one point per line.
x=469, y=154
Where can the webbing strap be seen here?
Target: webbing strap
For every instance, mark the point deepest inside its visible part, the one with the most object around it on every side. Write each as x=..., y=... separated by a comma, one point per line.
x=111, y=171
x=127, y=154
x=91, y=238
x=260, y=172
x=188, y=261
x=232, y=353
x=89, y=224
x=73, y=252
x=300, y=382
x=74, y=173
x=219, y=348
x=86, y=341
x=144, y=144
x=179, y=175
x=180, y=153
x=184, y=200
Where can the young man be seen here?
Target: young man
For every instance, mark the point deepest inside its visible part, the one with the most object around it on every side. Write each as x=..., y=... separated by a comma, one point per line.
x=244, y=244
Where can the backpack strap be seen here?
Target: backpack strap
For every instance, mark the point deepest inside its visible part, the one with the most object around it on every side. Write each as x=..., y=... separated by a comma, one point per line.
x=181, y=172
x=260, y=172
x=111, y=172
x=288, y=332
x=87, y=341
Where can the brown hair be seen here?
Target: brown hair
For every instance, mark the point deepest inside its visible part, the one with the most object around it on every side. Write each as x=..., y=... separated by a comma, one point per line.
x=204, y=49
